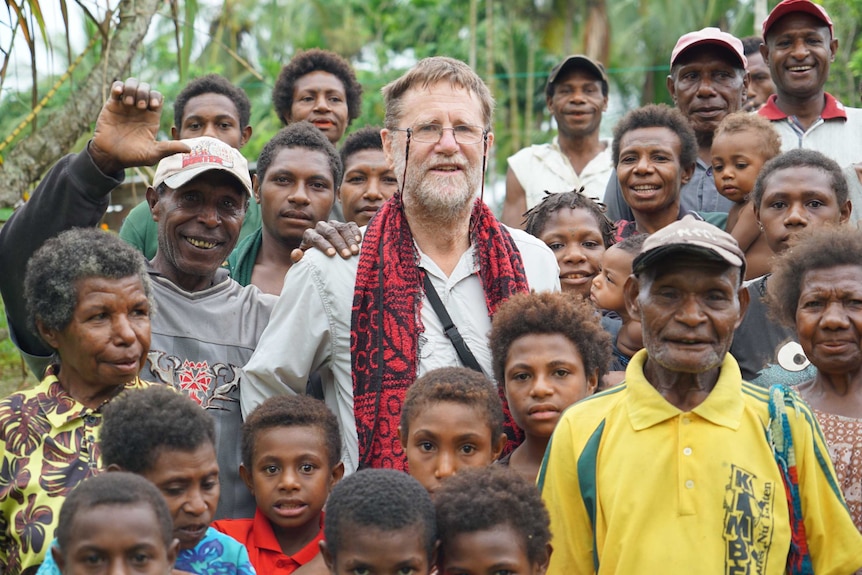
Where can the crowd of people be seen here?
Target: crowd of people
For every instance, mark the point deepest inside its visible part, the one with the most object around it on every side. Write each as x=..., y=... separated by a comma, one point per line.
x=652, y=362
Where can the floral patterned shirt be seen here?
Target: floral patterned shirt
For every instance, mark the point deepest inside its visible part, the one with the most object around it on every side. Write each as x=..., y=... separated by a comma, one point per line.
x=48, y=445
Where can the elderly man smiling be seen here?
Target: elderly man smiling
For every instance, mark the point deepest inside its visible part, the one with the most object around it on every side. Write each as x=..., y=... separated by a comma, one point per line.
x=685, y=468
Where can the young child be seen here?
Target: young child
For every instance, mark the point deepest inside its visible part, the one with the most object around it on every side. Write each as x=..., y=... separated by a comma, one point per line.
x=291, y=453
x=168, y=439
x=368, y=179
x=491, y=521
x=607, y=294
x=743, y=142
x=115, y=519
x=577, y=231
x=452, y=418
x=379, y=521
x=548, y=351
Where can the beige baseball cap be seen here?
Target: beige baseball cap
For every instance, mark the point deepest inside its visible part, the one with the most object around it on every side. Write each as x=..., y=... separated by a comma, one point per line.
x=692, y=236
x=206, y=154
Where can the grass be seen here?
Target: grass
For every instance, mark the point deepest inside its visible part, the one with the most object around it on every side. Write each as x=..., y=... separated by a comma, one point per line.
x=14, y=375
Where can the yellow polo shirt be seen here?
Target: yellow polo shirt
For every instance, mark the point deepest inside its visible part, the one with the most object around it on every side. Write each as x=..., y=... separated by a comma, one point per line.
x=634, y=485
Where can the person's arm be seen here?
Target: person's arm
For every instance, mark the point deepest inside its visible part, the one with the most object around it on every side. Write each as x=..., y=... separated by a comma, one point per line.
x=74, y=192
x=570, y=522
x=746, y=230
x=515, y=203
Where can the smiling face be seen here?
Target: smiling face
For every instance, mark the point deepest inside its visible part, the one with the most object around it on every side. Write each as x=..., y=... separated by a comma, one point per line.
x=297, y=191
x=649, y=170
x=213, y=115
x=290, y=478
x=368, y=182
x=377, y=552
x=706, y=86
x=106, y=342
x=489, y=552
x=577, y=104
x=736, y=161
x=117, y=538
x=794, y=199
x=544, y=374
x=829, y=318
x=320, y=98
x=189, y=483
x=577, y=242
x=607, y=289
x=689, y=310
x=443, y=178
x=444, y=437
x=799, y=51
x=199, y=224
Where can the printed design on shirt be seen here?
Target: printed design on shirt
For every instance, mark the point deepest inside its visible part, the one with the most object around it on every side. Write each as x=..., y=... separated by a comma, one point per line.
x=791, y=366
x=211, y=386
x=748, y=522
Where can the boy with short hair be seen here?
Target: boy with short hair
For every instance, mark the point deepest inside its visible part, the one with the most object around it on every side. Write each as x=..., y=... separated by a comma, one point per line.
x=492, y=521
x=606, y=294
x=743, y=143
x=379, y=521
x=166, y=438
x=291, y=453
x=452, y=418
x=368, y=177
x=549, y=352
x=111, y=519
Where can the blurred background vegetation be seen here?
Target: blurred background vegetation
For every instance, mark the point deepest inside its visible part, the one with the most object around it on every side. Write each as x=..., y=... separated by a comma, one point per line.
x=511, y=43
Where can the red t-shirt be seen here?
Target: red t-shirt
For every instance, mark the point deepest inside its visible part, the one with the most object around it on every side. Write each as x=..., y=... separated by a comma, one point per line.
x=263, y=548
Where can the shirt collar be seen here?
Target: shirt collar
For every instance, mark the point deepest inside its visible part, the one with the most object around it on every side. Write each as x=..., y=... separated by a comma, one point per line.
x=831, y=111
x=646, y=406
x=264, y=538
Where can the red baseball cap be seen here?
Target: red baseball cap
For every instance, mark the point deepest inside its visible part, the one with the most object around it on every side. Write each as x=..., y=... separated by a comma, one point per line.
x=789, y=6
x=712, y=36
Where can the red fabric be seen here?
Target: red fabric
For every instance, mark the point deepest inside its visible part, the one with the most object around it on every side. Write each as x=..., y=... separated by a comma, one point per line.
x=831, y=111
x=264, y=551
x=386, y=320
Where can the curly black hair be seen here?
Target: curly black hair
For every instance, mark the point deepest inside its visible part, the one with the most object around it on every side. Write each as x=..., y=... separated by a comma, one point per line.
x=549, y=313
x=53, y=272
x=751, y=44
x=537, y=217
x=213, y=84
x=658, y=116
x=459, y=385
x=139, y=423
x=814, y=249
x=312, y=61
x=300, y=135
x=367, y=138
x=380, y=499
x=291, y=411
x=801, y=158
x=632, y=245
x=482, y=499
x=112, y=489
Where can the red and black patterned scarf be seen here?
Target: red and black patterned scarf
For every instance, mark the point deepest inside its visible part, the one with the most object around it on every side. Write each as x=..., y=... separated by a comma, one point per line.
x=386, y=322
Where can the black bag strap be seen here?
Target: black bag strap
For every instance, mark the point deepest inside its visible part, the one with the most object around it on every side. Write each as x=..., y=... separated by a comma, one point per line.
x=467, y=357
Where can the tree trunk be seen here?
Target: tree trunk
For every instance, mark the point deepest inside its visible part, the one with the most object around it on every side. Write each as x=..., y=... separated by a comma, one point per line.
x=33, y=155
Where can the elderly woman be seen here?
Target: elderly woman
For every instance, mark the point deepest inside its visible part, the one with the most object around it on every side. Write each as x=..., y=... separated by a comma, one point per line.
x=816, y=287
x=88, y=297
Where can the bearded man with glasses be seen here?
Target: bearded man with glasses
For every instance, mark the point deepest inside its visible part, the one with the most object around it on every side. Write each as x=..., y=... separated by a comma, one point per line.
x=366, y=324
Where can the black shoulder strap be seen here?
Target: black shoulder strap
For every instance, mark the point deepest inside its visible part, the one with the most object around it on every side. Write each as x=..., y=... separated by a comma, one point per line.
x=467, y=357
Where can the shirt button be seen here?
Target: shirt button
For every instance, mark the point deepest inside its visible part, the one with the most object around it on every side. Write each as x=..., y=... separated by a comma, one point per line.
x=686, y=420
x=689, y=484
x=686, y=451
x=90, y=420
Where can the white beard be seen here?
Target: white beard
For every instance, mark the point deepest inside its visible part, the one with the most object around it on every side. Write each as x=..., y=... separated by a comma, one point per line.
x=447, y=198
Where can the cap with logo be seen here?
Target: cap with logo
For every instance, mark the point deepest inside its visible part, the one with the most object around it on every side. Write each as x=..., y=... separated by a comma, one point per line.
x=709, y=36
x=206, y=154
x=690, y=236
x=789, y=6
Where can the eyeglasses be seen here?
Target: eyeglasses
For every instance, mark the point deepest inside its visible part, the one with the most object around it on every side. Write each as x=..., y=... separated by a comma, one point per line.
x=431, y=133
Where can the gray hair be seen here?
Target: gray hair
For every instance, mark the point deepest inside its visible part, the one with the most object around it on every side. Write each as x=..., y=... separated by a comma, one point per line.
x=76, y=254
